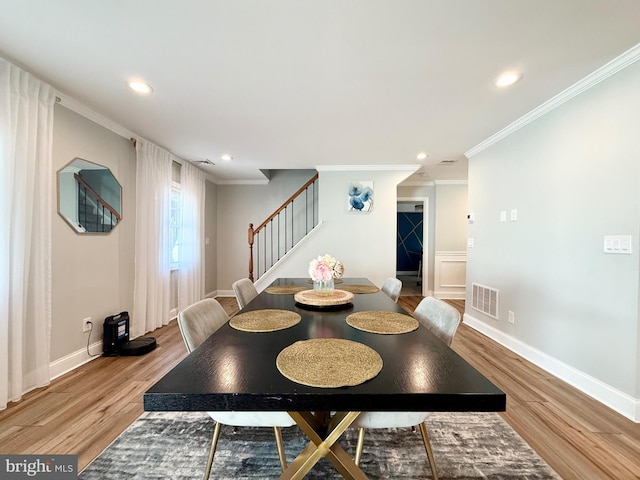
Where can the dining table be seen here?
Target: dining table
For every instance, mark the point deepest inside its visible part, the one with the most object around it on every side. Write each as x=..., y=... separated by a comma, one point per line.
x=240, y=370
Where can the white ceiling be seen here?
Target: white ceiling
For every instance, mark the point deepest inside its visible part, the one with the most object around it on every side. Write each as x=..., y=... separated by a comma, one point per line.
x=305, y=83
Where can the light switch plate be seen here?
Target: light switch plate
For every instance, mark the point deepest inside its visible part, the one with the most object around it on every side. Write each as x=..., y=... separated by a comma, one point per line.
x=620, y=244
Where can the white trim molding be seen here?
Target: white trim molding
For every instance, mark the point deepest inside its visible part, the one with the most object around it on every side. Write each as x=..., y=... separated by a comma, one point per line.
x=426, y=183
x=75, y=359
x=412, y=167
x=451, y=182
x=614, y=66
x=613, y=398
x=225, y=293
x=449, y=275
x=84, y=111
x=220, y=293
x=242, y=182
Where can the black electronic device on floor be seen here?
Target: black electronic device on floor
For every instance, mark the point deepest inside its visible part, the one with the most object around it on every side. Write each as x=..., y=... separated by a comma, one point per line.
x=116, y=341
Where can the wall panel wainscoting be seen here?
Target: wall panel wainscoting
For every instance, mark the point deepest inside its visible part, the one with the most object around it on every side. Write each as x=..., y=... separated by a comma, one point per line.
x=450, y=274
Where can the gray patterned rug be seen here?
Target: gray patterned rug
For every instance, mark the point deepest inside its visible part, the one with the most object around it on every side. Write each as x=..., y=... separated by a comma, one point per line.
x=175, y=446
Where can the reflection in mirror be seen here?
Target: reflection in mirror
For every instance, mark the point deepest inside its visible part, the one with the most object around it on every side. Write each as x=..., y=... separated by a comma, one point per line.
x=89, y=197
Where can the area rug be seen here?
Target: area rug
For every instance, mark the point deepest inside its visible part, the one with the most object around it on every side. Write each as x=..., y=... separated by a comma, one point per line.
x=175, y=446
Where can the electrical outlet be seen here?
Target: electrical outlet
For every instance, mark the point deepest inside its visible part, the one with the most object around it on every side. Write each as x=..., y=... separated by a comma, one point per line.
x=86, y=324
x=512, y=317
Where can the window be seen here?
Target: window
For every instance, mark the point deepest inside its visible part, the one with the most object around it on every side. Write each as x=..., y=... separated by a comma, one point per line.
x=175, y=226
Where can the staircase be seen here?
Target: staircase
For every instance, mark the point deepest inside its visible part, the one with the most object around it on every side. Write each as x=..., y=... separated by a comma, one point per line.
x=94, y=214
x=283, y=229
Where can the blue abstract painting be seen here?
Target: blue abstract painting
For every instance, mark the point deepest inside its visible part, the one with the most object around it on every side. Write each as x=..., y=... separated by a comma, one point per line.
x=360, y=196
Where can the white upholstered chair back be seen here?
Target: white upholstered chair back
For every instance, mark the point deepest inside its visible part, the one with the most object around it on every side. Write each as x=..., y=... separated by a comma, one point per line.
x=245, y=291
x=198, y=321
x=442, y=320
x=439, y=317
x=392, y=287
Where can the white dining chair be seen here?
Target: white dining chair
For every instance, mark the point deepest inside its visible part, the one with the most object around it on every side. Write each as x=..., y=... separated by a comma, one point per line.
x=245, y=291
x=442, y=320
x=392, y=287
x=197, y=322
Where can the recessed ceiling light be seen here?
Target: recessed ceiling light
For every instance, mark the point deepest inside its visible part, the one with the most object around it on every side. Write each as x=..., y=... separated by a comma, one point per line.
x=508, y=78
x=139, y=86
x=421, y=156
x=226, y=157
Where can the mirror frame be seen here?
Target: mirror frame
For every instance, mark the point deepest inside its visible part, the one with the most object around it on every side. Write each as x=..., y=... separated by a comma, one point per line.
x=75, y=166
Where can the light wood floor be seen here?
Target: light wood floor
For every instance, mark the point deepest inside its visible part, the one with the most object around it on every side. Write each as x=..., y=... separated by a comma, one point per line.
x=83, y=411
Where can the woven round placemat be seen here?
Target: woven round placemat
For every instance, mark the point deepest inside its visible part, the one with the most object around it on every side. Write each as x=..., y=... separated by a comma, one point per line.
x=386, y=323
x=360, y=288
x=285, y=289
x=329, y=362
x=268, y=320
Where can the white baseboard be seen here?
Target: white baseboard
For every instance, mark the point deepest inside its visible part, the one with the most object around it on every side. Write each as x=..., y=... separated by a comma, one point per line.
x=220, y=293
x=74, y=360
x=611, y=397
x=225, y=293
x=443, y=295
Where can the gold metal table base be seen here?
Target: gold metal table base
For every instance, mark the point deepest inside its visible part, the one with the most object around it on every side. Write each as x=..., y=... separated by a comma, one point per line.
x=323, y=432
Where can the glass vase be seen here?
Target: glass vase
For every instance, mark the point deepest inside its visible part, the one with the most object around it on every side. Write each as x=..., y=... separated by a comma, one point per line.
x=323, y=287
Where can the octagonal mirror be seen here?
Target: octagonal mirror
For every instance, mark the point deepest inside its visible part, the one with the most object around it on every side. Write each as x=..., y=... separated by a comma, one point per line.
x=89, y=197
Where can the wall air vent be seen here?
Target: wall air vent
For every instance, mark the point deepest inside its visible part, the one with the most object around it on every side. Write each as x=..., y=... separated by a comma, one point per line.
x=485, y=300
x=447, y=162
x=204, y=162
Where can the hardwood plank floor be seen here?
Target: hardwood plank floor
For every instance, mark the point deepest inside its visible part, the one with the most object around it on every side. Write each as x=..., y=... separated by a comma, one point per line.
x=83, y=411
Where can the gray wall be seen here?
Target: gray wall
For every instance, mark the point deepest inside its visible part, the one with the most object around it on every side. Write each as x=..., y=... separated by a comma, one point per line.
x=451, y=218
x=364, y=242
x=574, y=177
x=239, y=205
x=92, y=274
x=447, y=219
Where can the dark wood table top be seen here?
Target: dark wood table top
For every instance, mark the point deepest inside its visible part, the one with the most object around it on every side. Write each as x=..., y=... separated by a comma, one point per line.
x=236, y=370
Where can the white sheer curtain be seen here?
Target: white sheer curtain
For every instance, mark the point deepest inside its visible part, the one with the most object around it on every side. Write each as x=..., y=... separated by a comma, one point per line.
x=191, y=269
x=151, y=293
x=26, y=127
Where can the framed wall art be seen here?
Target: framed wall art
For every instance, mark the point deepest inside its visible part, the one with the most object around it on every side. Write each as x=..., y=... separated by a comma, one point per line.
x=360, y=196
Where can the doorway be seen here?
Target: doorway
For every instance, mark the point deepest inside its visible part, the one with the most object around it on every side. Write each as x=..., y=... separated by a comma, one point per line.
x=412, y=244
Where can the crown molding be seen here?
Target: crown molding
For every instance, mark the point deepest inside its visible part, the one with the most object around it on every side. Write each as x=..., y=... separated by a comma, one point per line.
x=348, y=168
x=426, y=183
x=611, y=68
x=84, y=111
x=242, y=182
x=431, y=183
x=451, y=182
